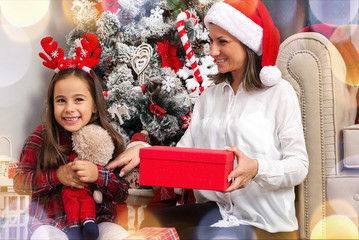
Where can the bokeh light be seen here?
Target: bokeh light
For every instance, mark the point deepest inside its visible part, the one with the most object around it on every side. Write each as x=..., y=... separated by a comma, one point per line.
x=66, y=9
x=341, y=207
x=16, y=52
x=24, y=13
x=352, y=59
x=340, y=195
x=34, y=32
x=352, y=30
x=335, y=227
x=335, y=12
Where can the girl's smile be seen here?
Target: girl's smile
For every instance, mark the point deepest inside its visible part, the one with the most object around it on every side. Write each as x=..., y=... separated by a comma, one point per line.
x=73, y=103
x=72, y=120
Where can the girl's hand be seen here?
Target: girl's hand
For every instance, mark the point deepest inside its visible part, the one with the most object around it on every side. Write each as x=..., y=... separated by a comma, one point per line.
x=68, y=177
x=129, y=158
x=86, y=171
x=246, y=169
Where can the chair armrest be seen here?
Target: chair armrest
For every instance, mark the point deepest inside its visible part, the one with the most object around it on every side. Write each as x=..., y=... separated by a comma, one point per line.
x=350, y=146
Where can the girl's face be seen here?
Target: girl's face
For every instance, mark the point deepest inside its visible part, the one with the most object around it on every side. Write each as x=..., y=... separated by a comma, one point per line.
x=73, y=103
x=227, y=50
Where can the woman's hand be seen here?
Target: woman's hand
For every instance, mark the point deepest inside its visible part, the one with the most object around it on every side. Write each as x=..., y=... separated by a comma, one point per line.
x=129, y=159
x=86, y=171
x=246, y=169
x=68, y=177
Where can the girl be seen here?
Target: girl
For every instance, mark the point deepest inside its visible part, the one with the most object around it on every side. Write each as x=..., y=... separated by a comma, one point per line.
x=74, y=99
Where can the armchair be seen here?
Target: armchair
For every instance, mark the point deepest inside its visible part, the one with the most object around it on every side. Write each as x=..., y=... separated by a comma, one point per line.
x=317, y=71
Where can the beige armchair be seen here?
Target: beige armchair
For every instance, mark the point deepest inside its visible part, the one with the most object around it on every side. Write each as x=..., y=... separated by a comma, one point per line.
x=316, y=70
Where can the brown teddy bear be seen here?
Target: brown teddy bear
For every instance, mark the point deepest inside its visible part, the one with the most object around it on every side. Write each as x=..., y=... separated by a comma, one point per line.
x=92, y=143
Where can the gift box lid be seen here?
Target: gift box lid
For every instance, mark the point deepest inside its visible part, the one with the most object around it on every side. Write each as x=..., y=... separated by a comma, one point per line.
x=213, y=156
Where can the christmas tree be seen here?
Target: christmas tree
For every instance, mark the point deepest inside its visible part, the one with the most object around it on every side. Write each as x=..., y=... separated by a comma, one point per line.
x=150, y=78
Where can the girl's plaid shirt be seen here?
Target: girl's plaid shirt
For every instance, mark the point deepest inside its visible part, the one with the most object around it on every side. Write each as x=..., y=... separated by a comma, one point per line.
x=47, y=186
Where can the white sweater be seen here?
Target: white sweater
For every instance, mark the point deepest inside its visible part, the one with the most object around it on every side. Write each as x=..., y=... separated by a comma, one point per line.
x=265, y=125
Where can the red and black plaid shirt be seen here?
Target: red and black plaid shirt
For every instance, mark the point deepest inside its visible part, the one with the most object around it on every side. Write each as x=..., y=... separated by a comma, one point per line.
x=26, y=181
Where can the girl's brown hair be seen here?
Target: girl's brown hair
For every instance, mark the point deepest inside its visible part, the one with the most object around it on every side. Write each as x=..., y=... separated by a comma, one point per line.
x=251, y=80
x=52, y=154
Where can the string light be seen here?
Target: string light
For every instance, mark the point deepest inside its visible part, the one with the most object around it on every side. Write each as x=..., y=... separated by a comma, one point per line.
x=24, y=13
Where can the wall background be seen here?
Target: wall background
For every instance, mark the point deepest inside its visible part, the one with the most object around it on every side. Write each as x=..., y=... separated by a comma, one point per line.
x=23, y=79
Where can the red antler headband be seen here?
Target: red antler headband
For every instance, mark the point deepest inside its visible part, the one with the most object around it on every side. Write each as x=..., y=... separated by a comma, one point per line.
x=83, y=58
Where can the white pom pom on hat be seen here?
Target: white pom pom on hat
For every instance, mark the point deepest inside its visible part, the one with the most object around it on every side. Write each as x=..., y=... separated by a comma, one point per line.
x=249, y=21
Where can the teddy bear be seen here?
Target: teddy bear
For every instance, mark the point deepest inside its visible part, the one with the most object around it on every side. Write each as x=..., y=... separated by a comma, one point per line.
x=92, y=143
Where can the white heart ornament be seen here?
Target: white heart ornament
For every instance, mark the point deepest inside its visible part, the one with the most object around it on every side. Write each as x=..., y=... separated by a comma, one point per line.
x=141, y=58
x=140, y=62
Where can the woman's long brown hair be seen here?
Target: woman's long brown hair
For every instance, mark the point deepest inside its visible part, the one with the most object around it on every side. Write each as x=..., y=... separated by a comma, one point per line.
x=52, y=154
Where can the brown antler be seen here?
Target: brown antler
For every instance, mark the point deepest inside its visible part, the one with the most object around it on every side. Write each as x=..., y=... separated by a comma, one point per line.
x=54, y=53
x=90, y=51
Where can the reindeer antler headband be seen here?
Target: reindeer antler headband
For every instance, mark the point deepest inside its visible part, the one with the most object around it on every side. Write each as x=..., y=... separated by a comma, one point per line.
x=86, y=57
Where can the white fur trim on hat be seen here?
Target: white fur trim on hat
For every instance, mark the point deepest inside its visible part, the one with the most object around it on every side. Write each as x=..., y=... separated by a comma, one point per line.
x=270, y=75
x=237, y=24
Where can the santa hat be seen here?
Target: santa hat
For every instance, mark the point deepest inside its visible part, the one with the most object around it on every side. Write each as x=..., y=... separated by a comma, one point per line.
x=250, y=22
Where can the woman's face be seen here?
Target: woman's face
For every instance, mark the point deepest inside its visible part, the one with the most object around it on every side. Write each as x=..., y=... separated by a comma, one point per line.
x=229, y=53
x=73, y=103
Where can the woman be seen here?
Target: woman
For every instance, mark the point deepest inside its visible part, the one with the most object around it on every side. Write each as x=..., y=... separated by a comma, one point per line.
x=257, y=113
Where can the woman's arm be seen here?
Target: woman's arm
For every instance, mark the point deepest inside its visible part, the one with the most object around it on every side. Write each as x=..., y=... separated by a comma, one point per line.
x=129, y=159
x=246, y=170
x=292, y=169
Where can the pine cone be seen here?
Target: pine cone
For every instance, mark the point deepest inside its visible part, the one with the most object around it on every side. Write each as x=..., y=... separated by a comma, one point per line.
x=110, y=67
x=197, y=46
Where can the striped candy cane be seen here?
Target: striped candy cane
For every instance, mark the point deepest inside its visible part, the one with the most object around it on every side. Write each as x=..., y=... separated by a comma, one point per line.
x=186, y=44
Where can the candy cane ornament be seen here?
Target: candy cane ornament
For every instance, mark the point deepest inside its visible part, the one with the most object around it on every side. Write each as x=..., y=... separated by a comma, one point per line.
x=186, y=43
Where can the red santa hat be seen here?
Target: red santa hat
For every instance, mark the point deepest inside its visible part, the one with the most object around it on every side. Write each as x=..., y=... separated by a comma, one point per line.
x=250, y=22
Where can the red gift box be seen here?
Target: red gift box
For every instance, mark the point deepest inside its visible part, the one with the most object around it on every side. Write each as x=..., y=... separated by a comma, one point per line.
x=155, y=233
x=191, y=168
